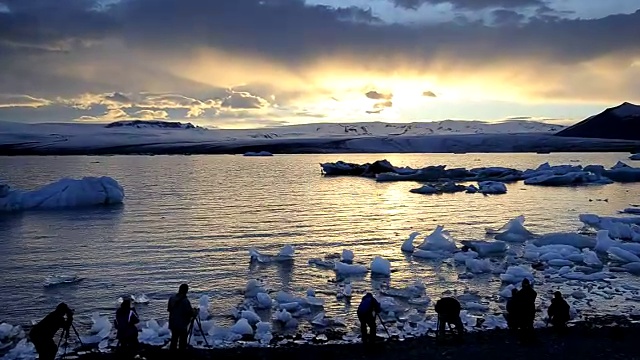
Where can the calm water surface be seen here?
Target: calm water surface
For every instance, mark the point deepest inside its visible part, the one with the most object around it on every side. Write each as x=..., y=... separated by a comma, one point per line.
x=193, y=219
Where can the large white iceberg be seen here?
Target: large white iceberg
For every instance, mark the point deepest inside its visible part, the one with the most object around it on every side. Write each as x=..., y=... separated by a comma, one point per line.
x=64, y=193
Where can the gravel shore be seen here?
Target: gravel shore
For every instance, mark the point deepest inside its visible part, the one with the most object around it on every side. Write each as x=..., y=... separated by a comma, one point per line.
x=588, y=340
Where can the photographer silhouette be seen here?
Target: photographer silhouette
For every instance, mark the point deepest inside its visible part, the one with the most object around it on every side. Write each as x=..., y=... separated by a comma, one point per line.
x=180, y=315
x=42, y=333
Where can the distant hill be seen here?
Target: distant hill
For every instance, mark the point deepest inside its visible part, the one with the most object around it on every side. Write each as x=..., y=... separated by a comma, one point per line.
x=153, y=124
x=621, y=122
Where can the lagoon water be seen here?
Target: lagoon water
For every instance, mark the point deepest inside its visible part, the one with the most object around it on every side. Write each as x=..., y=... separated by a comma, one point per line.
x=193, y=219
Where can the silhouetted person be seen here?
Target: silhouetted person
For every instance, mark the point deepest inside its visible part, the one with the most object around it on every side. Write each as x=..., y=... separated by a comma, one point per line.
x=367, y=310
x=126, y=320
x=559, y=311
x=180, y=314
x=43, y=332
x=514, y=310
x=448, y=310
x=527, y=300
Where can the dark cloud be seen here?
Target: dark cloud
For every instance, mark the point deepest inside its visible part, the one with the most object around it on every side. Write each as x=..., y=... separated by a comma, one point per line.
x=470, y=4
x=383, y=105
x=429, y=94
x=502, y=17
x=378, y=96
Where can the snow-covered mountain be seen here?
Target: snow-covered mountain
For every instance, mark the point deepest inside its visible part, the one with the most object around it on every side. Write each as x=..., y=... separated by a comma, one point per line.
x=153, y=124
x=398, y=129
x=620, y=122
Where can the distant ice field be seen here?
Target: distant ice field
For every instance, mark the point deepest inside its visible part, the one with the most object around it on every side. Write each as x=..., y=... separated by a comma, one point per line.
x=194, y=218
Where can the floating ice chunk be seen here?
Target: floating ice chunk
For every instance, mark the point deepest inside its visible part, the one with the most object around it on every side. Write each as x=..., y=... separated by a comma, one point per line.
x=285, y=254
x=286, y=251
x=634, y=156
x=551, y=256
x=282, y=315
x=380, y=266
x=320, y=320
x=633, y=267
x=284, y=297
x=22, y=351
x=494, y=322
x=492, y=187
x=598, y=276
x=591, y=258
x=154, y=334
x=100, y=329
x=350, y=269
x=203, y=308
x=622, y=255
x=578, y=295
x=253, y=288
x=512, y=231
x=311, y=292
x=250, y=316
x=430, y=255
x=263, y=332
x=487, y=248
x=463, y=256
x=264, y=301
x=560, y=262
x=471, y=189
x=476, y=266
x=65, y=193
x=568, y=179
x=575, y=240
x=347, y=256
x=425, y=189
x=407, y=245
x=242, y=327
x=326, y=264
x=604, y=242
x=507, y=291
x=388, y=304
x=474, y=306
x=59, y=279
x=346, y=292
x=516, y=274
x=632, y=210
x=438, y=240
x=314, y=301
x=292, y=306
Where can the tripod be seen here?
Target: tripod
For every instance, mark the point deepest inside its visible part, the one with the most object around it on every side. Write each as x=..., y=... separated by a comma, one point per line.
x=65, y=335
x=196, y=320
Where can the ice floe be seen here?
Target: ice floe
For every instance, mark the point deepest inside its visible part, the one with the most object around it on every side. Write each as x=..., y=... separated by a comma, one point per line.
x=99, y=331
x=285, y=254
x=438, y=240
x=347, y=256
x=515, y=274
x=350, y=269
x=380, y=266
x=486, y=248
x=154, y=334
x=512, y=231
x=634, y=156
x=64, y=193
x=59, y=279
x=242, y=327
x=492, y=187
x=260, y=153
x=407, y=245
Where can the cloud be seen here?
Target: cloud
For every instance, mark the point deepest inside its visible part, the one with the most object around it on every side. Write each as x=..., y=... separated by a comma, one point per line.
x=8, y=100
x=243, y=100
x=119, y=55
x=378, y=96
x=429, y=94
x=470, y=4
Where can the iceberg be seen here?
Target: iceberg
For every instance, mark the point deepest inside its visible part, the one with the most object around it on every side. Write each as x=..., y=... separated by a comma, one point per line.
x=380, y=266
x=439, y=240
x=574, y=240
x=285, y=254
x=568, y=179
x=591, y=258
x=407, y=245
x=261, y=153
x=263, y=332
x=425, y=189
x=64, y=193
x=242, y=327
x=492, y=187
x=512, y=231
x=622, y=172
x=99, y=331
x=515, y=274
x=622, y=255
x=347, y=256
x=350, y=269
x=463, y=256
x=253, y=288
x=264, y=301
x=154, y=334
x=478, y=266
x=635, y=156
x=486, y=248
x=58, y=279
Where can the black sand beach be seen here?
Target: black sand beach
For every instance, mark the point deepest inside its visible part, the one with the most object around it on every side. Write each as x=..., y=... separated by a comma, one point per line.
x=588, y=340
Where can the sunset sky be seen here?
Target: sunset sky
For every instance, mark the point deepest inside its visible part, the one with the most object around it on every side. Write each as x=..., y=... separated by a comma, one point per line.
x=253, y=63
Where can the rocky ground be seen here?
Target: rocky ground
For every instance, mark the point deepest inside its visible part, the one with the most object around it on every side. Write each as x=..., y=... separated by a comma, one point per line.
x=588, y=340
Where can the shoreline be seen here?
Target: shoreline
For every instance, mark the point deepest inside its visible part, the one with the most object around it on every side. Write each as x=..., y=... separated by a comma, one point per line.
x=604, y=337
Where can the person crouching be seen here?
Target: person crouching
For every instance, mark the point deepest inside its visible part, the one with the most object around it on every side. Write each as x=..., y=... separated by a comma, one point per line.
x=448, y=310
x=559, y=312
x=367, y=310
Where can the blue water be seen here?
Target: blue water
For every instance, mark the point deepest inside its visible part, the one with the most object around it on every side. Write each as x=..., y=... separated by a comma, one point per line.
x=193, y=219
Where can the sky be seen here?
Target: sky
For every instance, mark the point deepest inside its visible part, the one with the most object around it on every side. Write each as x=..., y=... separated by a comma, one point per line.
x=257, y=63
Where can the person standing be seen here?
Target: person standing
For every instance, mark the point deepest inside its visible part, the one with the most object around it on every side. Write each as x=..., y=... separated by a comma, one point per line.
x=42, y=333
x=367, y=310
x=180, y=314
x=514, y=310
x=126, y=320
x=527, y=301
